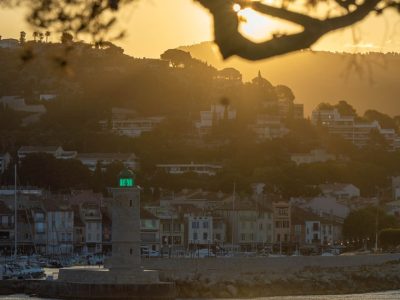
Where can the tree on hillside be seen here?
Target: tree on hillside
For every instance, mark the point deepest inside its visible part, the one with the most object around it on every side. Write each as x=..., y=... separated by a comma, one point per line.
x=389, y=237
x=66, y=38
x=98, y=17
x=384, y=120
x=345, y=109
x=177, y=58
x=47, y=34
x=361, y=224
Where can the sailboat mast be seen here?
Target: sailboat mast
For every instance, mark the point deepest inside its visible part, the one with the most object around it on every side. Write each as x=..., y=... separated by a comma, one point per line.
x=233, y=213
x=15, y=211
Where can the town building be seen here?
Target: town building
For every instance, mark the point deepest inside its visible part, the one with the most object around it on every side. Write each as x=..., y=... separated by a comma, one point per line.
x=351, y=130
x=310, y=229
x=92, y=218
x=396, y=188
x=314, y=156
x=9, y=43
x=199, y=198
x=149, y=230
x=57, y=151
x=172, y=227
x=91, y=160
x=248, y=225
x=6, y=228
x=282, y=221
x=200, y=169
x=344, y=191
x=327, y=205
x=212, y=117
x=18, y=103
x=39, y=229
x=60, y=229
x=5, y=159
x=269, y=127
x=200, y=230
x=126, y=122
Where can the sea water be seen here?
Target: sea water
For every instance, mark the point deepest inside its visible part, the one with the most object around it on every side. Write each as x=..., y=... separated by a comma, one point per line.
x=389, y=295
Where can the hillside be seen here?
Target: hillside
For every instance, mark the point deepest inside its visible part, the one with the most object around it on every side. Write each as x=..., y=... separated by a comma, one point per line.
x=367, y=81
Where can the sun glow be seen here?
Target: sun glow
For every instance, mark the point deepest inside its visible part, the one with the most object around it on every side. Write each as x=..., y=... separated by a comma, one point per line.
x=236, y=7
x=258, y=27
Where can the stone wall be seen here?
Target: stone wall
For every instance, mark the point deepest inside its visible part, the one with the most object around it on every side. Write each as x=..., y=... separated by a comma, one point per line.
x=177, y=269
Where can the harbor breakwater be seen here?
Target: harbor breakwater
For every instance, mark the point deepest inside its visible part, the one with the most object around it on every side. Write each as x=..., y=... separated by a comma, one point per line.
x=279, y=276
x=240, y=278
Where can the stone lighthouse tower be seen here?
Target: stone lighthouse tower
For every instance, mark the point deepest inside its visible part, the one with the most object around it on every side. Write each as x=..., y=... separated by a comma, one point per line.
x=125, y=224
x=123, y=277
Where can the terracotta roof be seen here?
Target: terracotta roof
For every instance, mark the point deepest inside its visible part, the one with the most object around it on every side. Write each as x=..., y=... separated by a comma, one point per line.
x=145, y=214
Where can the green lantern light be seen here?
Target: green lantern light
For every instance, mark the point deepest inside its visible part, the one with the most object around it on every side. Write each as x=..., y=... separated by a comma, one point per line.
x=126, y=179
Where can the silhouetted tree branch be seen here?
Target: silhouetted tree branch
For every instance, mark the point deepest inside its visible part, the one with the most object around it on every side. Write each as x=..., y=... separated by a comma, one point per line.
x=97, y=18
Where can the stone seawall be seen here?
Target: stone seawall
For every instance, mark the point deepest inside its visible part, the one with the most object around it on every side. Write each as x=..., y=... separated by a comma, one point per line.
x=64, y=290
x=232, y=267
x=260, y=277
x=236, y=278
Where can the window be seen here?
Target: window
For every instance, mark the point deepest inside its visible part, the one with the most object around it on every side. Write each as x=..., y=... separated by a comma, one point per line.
x=260, y=226
x=243, y=237
x=218, y=236
x=195, y=224
x=194, y=236
x=98, y=237
x=89, y=226
x=278, y=237
x=205, y=236
x=251, y=236
x=166, y=227
x=89, y=238
x=205, y=224
x=286, y=237
x=297, y=228
x=315, y=226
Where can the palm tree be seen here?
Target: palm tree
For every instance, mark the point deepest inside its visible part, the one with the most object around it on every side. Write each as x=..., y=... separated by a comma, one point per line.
x=47, y=34
x=35, y=35
x=41, y=36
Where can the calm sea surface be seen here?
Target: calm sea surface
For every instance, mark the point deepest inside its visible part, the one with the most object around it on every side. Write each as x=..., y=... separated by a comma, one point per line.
x=395, y=295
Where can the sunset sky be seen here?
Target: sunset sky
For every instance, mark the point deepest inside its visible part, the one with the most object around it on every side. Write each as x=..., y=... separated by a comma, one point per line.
x=156, y=25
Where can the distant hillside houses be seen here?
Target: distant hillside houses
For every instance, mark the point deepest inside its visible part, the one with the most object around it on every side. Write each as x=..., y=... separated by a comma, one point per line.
x=90, y=160
x=9, y=43
x=212, y=117
x=340, y=190
x=352, y=130
x=201, y=169
x=126, y=122
x=17, y=103
x=314, y=156
x=57, y=151
x=269, y=127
